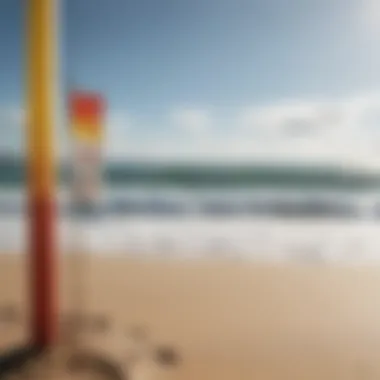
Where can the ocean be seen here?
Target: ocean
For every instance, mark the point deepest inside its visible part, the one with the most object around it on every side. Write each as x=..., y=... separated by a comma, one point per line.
x=265, y=224
x=250, y=212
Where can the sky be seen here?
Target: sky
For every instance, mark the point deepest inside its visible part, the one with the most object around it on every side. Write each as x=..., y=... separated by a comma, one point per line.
x=213, y=80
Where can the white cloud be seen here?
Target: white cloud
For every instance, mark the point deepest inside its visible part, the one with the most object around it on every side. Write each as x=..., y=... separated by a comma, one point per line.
x=313, y=117
x=12, y=122
x=192, y=120
x=118, y=125
x=289, y=118
x=340, y=131
x=12, y=116
x=118, y=120
x=343, y=131
x=368, y=14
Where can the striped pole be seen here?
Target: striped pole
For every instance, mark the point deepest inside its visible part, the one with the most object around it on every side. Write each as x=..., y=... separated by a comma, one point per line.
x=41, y=77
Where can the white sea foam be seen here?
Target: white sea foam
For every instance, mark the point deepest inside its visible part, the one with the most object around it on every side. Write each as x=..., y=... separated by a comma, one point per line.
x=194, y=236
x=271, y=240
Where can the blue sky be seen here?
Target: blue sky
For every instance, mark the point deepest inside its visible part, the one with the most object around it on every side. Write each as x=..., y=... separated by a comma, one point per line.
x=215, y=79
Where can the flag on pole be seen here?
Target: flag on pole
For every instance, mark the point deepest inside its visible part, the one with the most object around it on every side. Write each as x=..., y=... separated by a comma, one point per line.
x=86, y=116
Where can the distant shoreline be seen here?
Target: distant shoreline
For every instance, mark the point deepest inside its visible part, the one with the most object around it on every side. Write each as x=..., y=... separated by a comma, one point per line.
x=13, y=174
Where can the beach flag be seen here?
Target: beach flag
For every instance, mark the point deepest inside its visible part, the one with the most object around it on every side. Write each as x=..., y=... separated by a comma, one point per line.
x=86, y=112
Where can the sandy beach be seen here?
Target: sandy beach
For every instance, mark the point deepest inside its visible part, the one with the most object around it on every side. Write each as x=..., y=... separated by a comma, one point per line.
x=225, y=319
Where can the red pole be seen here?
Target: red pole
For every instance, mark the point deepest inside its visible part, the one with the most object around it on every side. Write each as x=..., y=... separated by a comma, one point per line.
x=41, y=104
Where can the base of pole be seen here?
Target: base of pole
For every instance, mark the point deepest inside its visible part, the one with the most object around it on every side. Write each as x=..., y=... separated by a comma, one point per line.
x=44, y=313
x=14, y=360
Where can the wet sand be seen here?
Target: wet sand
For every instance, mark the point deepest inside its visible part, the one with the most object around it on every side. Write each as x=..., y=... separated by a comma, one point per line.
x=227, y=320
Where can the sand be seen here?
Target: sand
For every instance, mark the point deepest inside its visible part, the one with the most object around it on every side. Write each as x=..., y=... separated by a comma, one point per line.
x=226, y=320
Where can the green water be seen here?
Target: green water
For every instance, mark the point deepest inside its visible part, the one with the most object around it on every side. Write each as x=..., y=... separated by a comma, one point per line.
x=13, y=173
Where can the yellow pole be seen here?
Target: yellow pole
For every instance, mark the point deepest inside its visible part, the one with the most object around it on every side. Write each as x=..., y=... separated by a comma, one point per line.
x=41, y=77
